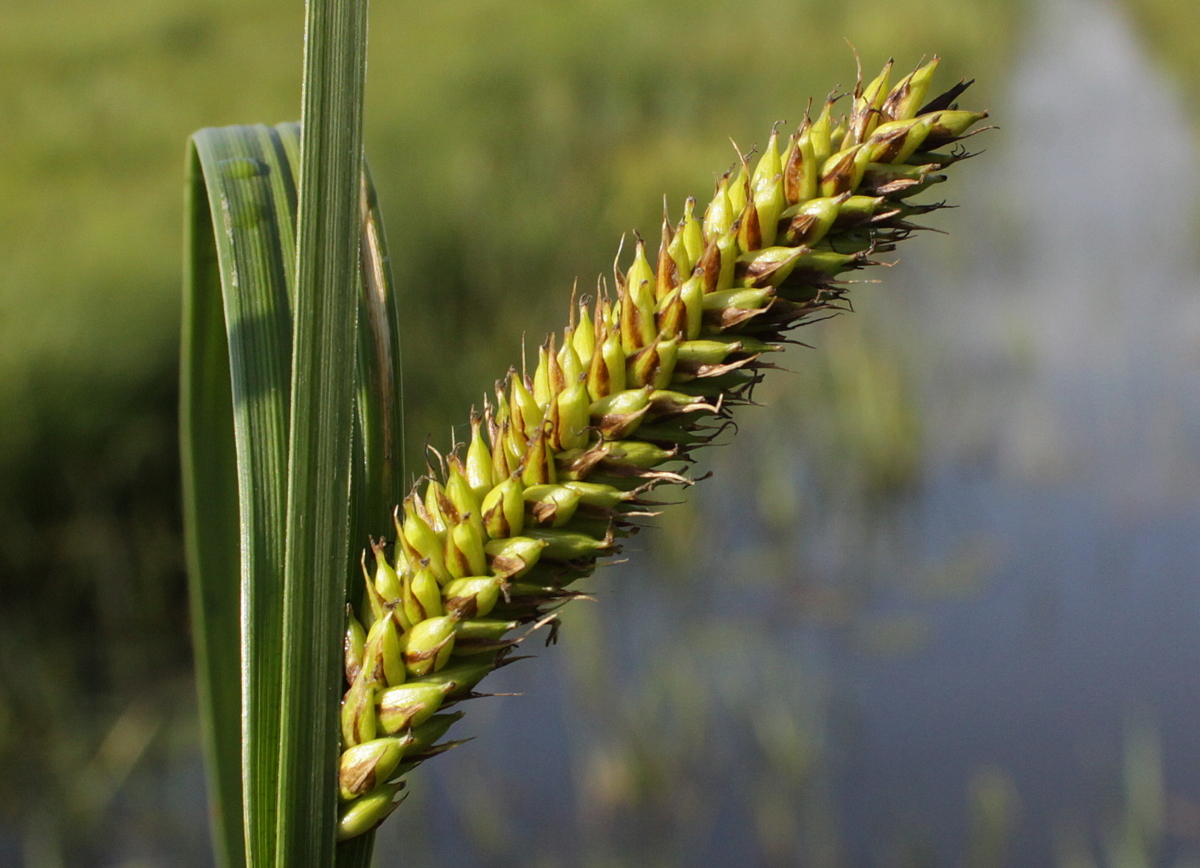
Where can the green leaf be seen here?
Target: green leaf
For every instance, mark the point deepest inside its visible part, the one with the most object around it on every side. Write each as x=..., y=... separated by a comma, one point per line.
x=211, y=520
x=237, y=389
x=320, y=447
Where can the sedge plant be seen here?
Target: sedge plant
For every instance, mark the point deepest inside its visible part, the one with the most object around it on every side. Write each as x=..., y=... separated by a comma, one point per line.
x=326, y=675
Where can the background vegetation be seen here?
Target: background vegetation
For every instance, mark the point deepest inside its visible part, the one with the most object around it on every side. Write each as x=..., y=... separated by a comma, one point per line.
x=512, y=143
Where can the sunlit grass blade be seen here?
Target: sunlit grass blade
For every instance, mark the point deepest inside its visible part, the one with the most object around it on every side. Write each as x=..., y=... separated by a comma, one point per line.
x=236, y=374
x=319, y=467
x=211, y=513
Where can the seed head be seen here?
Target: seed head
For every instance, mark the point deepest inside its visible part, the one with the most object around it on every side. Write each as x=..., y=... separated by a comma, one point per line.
x=558, y=466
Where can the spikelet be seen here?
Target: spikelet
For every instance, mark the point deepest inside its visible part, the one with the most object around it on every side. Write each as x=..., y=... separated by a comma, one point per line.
x=557, y=467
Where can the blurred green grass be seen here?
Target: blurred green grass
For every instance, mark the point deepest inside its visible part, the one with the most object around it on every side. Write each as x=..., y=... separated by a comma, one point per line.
x=1171, y=28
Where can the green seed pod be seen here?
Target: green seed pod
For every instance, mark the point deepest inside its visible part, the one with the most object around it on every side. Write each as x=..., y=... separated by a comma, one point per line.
x=358, y=712
x=896, y=141
x=639, y=454
x=767, y=267
x=514, y=556
x=857, y=210
x=731, y=382
x=523, y=405
x=768, y=194
x=409, y=705
x=483, y=629
x=667, y=274
x=653, y=365
x=667, y=403
x=738, y=299
x=551, y=505
x=728, y=248
x=598, y=379
x=865, y=115
x=856, y=241
x=387, y=583
x=749, y=231
x=668, y=352
x=558, y=379
x=365, y=765
x=739, y=188
x=692, y=233
x=497, y=415
x=710, y=351
x=479, y=460
x=819, y=266
x=770, y=204
x=678, y=260
x=842, y=172
x=420, y=542
x=477, y=647
x=502, y=464
x=887, y=179
x=542, y=388
x=584, y=339
x=516, y=442
x=838, y=134
x=353, y=645
x=376, y=602
x=716, y=264
x=808, y=222
x=538, y=465
x=617, y=415
x=568, y=361
x=458, y=678
x=458, y=489
x=472, y=597
x=692, y=295
x=464, y=551
x=427, y=734
x=566, y=545
x=450, y=510
x=422, y=597
x=504, y=510
x=801, y=169
x=366, y=812
x=948, y=125
x=428, y=645
x=719, y=216
x=598, y=495
x=638, y=326
x=383, y=661
x=574, y=419
x=672, y=316
x=769, y=166
x=438, y=509
x=821, y=134
x=613, y=357
x=908, y=94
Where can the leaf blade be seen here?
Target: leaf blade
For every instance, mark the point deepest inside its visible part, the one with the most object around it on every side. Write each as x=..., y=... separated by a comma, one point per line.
x=322, y=388
x=247, y=177
x=209, y=465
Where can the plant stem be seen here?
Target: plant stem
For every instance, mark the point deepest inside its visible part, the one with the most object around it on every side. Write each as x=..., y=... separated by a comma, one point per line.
x=325, y=319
